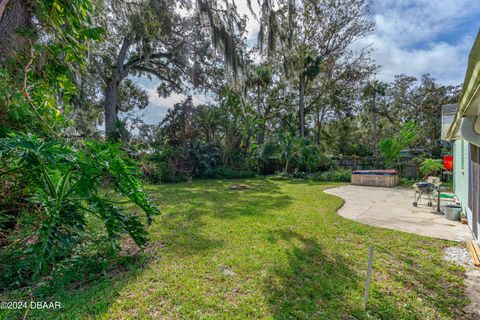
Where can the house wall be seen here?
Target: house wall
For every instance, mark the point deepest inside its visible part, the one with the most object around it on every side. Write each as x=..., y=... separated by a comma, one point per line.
x=474, y=187
x=461, y=159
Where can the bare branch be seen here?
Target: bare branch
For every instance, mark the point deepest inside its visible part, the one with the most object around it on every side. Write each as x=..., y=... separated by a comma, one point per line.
x=3, y=5
x=157, y=74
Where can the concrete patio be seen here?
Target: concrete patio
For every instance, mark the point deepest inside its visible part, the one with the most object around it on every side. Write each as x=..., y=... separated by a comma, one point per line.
x=392, y=208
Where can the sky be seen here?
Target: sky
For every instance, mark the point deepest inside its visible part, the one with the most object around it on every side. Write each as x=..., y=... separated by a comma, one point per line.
x=413, y=37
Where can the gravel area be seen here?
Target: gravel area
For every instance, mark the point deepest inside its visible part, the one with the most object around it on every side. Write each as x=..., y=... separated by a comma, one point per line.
x=459, y=255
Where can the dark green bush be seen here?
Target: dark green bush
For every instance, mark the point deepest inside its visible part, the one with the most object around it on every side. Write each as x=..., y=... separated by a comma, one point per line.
x=202, y=158
x=339, y=175
x=229, y=173
x=65, y=188
x=326, y=163
x=155, y=173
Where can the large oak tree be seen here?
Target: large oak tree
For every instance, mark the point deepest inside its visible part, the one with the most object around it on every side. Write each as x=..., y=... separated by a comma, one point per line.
x=164, y=39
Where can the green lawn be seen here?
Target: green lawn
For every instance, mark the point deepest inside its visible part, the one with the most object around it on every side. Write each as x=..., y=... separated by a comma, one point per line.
x=276, y=251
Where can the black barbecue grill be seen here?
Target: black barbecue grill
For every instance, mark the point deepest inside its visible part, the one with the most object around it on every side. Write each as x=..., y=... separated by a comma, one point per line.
x=425, y=190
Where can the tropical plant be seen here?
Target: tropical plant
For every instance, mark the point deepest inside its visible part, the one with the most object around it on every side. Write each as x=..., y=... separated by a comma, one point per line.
x=41, y=51
x=391, y=147
x=298, y=153
x=203, y=158
x=431, y=167
x=66, y=188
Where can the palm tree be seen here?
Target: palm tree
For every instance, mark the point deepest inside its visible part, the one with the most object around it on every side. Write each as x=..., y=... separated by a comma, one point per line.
x=304, y=35
x=372, y=90
x=259, y=81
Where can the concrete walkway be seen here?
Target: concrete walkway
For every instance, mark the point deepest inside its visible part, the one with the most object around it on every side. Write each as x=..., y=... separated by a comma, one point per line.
x=392, y=208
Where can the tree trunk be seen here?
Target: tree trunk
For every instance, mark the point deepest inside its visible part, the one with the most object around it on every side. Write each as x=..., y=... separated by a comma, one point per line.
x=111, y=109
x=261, y=131
x=3, y=5
x=301, y=107
x=285, y=169
x=374, y=119
x=118, y=74
x=14, y=15
x=261, y=134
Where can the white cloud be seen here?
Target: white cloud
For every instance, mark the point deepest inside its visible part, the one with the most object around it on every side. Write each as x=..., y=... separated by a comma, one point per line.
x=158, y=106
x=411, y=21
x=410, y=36
x=445, y=62
x=415, y=37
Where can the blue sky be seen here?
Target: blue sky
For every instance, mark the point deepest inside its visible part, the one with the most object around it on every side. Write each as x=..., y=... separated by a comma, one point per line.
x=158, y=106
x=424, y=36
x=411, y=37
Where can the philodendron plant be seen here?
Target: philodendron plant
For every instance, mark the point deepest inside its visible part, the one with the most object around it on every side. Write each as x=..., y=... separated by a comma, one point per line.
x=65, y=188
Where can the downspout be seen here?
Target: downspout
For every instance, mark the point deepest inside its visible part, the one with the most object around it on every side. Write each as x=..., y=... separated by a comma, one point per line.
x=469, y=124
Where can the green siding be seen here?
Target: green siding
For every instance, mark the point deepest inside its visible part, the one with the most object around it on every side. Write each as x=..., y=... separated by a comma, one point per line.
x=460, y=172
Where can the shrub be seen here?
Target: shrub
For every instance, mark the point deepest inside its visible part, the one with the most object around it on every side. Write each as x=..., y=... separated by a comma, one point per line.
x=431, y=167
x=202, y=157
x=150, y=172
x=327, y=163
x=65, y=188
x=159, y=172
x=165, y=174
x=391, y=147
x=298, y=154
x=339, y=175
x=229, y=173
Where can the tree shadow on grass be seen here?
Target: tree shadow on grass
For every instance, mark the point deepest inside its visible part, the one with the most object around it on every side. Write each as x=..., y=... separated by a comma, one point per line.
x=188, y=204
x=82, y=293
x=437, y=283
x=320, y=284
x=314, y=285
x=178, y=232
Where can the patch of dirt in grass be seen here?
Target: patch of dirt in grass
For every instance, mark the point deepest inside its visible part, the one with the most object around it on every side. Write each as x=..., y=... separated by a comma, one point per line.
x=239, y=187
x=128, y=247
x=152, y=246
x=227, y=271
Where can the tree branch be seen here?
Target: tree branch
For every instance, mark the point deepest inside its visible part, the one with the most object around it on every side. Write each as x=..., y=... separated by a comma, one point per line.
x=3, y=5
x=157, y=74
x=127, y=42
x=138, y=59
